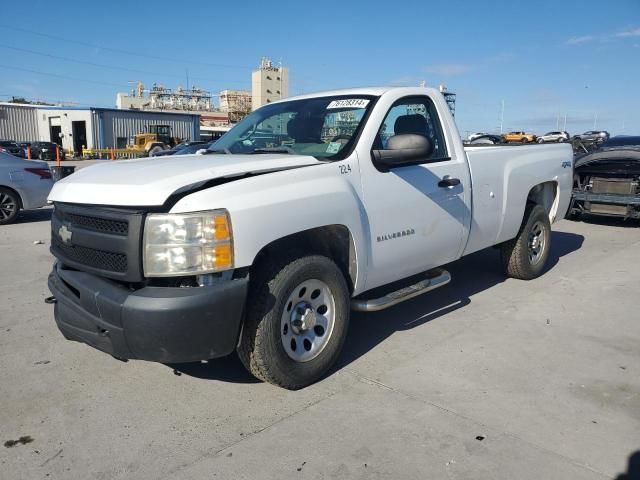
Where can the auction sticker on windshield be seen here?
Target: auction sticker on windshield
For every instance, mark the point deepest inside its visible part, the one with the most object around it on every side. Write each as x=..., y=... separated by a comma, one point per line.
x=349, y=103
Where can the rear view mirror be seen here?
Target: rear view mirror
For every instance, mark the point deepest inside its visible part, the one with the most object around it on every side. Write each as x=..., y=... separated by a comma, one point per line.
x=404, y=149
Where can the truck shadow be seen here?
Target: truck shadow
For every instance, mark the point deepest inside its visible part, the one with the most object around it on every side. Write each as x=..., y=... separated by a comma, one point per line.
x=31, y=216
x=470, y=275
x=608, y=221
x=226, y=369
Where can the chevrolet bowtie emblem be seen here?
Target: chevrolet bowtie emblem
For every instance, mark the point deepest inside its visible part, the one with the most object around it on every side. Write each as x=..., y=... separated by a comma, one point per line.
x=65, y=234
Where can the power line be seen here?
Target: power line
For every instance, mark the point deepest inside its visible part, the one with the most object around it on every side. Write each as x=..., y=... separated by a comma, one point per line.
x=99, y=65
x=97, y=82
x=116, y=50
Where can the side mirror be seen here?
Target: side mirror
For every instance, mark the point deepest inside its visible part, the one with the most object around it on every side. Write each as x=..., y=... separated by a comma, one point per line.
x=404, y=149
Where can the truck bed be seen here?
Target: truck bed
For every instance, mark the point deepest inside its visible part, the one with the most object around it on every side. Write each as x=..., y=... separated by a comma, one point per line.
x=500, y=174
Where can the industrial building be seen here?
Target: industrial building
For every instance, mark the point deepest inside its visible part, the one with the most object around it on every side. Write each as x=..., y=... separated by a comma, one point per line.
x=88, y=127
x=235, y=103
x=192, y=99
x=269, y=83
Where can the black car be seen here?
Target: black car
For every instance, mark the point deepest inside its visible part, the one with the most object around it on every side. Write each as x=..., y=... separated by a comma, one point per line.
x=12, y=148
x=183, y=148
x=485, y=139
x=607, y=180
x=45, y=151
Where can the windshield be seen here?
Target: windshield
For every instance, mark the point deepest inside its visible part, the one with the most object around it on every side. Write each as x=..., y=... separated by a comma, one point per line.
x=323, y=127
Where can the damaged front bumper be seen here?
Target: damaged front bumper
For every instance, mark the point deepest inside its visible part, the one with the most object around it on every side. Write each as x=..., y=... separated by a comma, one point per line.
x=161, y=324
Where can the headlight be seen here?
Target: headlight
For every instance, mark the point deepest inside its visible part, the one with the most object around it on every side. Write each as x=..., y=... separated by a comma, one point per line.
x=187, y=244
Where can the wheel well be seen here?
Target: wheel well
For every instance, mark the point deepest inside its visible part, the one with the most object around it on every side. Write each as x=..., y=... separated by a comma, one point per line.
x=332, y=241
x=13, y=191
x=546, y=195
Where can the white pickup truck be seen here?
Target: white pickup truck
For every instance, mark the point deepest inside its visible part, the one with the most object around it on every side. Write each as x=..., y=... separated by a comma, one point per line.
x=309, y=208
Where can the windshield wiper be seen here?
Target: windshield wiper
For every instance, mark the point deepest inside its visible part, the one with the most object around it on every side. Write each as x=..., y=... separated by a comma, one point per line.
x=282, y=149
x=219, y=150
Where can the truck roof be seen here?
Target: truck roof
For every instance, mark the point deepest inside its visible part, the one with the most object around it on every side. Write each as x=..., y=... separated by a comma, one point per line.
x=377, y=91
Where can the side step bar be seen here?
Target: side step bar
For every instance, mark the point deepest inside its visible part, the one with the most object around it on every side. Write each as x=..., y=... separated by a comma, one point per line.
x=437, y=278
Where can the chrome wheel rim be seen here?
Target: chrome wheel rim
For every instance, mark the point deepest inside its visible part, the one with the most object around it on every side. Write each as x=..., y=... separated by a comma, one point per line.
x=7, y=206
x=537, y=243
x=308, y=319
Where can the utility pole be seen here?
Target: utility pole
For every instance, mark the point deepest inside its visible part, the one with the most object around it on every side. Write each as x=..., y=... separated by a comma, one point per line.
x=564, y=125
x=501, y=116
x=558, y=121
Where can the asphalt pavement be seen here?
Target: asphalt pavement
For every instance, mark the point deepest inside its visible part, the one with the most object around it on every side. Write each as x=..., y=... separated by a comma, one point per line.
x=486, y=378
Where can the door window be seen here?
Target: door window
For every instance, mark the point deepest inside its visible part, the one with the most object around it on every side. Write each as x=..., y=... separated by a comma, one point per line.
x=416, y=115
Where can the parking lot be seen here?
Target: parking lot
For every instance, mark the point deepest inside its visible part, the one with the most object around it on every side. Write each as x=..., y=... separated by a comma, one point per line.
x=484, y=379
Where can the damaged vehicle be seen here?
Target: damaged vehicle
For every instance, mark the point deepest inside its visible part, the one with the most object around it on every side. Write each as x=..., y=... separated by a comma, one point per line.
x=310, y=207
x=607, y=181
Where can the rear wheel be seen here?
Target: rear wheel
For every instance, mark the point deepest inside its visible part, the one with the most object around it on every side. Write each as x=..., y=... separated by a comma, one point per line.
x=525, y=140
x=525, y=256
x=297, y=318
x=9, y=206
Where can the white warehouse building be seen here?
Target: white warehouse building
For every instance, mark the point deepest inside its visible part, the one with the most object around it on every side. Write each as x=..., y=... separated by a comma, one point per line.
x=88, y=127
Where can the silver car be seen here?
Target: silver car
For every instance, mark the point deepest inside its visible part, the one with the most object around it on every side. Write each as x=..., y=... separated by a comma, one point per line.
x=24, y=184
x=554, y=137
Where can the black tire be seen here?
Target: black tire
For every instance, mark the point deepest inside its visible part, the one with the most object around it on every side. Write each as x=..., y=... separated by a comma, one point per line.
x=9, y=206
x=155, y=149
x=261, y=348
x=540, y=140
x=525, y=140
x=516, y=255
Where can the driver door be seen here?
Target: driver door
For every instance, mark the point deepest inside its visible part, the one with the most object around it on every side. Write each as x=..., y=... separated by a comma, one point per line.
x=415, y=222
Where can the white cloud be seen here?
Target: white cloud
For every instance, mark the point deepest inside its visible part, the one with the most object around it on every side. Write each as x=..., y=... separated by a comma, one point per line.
x=604, y=37
x=448, y=69
x=581, y=40
x=634, y=32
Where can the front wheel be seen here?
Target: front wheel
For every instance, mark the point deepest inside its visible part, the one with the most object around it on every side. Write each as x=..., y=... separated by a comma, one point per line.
x=9, y=206
x=153, y=151
x=525, y=256
x=540, y=140
x=297, y=319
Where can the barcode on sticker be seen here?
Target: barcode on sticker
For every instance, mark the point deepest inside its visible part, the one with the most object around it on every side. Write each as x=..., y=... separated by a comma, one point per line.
x=349, y=103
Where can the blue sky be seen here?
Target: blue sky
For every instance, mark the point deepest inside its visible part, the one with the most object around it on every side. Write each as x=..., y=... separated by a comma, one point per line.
x=544, y=58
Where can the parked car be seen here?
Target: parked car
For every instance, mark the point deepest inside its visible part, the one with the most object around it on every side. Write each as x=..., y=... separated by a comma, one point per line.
x=607, y=180
x=45, y=151
x=473, y=136
x=24, y=146
x=24, y=184
x=521, y=137
x=182, y=148
x=486, y=139
x=597, y=136
x=269, y=246
x=12, y=148
x=554, y=137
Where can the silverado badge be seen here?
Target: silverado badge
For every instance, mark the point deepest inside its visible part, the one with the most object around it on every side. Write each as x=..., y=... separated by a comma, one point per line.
x=65, y=234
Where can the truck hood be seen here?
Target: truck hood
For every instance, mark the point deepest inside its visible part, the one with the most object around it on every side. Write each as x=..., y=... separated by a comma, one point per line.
x=151, y=181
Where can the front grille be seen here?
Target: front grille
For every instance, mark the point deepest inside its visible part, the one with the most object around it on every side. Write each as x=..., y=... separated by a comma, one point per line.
x=115, y=227
x=105, y=241
x=110, y=261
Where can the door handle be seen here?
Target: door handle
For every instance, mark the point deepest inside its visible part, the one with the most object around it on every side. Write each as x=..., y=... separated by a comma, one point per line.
x=447, y=182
